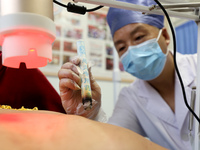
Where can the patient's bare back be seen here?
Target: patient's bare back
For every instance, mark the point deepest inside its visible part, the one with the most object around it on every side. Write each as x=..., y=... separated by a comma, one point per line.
x=44, y=130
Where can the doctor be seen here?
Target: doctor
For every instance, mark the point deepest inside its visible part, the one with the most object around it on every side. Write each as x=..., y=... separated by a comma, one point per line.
x=152, y=105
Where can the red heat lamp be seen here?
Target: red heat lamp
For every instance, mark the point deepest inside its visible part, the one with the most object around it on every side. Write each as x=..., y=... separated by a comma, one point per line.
x=27, y=32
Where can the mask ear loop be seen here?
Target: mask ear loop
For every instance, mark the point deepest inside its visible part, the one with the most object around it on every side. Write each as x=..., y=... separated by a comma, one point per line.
x=159, y=34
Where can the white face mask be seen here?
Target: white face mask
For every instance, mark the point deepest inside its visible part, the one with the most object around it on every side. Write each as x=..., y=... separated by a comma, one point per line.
x=146, y=60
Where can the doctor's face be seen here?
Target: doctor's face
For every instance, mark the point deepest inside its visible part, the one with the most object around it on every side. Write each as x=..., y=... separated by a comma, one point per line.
x=137, y=33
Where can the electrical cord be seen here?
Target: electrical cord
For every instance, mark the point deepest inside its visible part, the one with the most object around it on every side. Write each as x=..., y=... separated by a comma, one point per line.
x=76, y=9
x=94, y=9
x=61, y=4
x=175, y=64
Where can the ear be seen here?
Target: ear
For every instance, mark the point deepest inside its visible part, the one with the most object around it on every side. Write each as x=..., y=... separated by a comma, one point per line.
x=166, y=36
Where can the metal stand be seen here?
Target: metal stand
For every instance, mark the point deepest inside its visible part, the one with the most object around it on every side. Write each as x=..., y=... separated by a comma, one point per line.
x=116, y=76
x=197, y=103
x=145, y=9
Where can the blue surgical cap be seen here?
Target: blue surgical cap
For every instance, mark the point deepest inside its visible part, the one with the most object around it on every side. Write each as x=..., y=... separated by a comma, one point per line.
x=118, y=18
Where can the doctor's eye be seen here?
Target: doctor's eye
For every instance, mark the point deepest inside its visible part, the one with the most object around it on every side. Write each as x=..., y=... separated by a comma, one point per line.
x=121, y=49
x=139, y=38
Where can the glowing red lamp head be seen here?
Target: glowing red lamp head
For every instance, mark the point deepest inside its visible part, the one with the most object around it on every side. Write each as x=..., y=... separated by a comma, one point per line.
x=26, y=37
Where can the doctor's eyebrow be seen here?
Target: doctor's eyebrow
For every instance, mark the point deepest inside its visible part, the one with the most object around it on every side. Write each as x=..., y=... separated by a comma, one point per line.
x=138, y=28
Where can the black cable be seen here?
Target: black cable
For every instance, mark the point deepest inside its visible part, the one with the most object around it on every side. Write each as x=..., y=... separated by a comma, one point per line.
x=61, y=4
x=175, y=64
x=94, y=9
x=77, y=9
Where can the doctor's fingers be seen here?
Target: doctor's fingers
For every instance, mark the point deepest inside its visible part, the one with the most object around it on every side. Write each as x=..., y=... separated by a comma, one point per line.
x=76, y=60
x=66, y=84
x=72, y=67
x=69, y=74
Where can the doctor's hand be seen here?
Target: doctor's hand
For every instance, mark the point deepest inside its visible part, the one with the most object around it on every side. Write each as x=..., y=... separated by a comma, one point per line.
x=70, y=90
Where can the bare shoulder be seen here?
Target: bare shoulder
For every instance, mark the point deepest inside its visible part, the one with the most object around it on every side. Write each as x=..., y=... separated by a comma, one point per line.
x=46, y=130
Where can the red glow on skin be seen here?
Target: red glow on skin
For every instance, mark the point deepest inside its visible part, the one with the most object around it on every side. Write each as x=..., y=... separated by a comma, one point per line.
x=40, y=126
x=10, y=118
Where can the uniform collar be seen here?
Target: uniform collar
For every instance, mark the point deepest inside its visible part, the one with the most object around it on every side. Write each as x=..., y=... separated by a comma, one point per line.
x=155, y=103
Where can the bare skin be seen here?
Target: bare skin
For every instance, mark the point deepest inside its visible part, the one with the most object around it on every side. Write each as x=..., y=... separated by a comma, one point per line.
x=136, y=33
x=45, y=130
